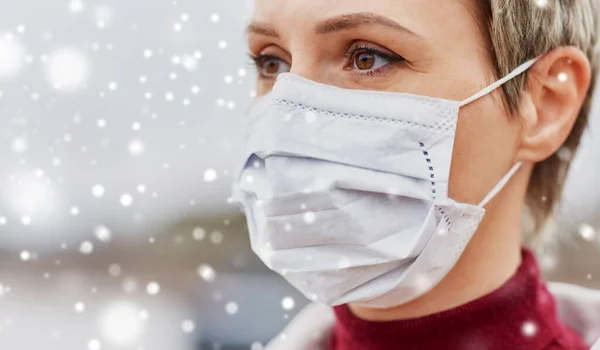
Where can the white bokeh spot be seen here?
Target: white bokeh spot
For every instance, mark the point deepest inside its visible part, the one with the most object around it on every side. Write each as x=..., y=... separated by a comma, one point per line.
x=120, y=324
x=68, y=69
x=12, y=55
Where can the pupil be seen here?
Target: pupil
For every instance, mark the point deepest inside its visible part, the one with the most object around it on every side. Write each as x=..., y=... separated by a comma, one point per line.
x=272, y=67
x=365, y=61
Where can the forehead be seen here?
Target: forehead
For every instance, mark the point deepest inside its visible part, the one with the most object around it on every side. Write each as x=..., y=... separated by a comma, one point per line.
x=418, y=15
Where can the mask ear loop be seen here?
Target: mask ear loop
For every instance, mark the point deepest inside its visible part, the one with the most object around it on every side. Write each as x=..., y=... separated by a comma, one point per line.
x=518, y=71
x=500, y=185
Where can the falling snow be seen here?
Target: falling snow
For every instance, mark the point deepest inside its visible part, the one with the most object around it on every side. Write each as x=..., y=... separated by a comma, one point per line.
x=126, y=200
x=19, y=145
x=121, y=324
x=529, y=329
x=309, y=217
x=117, y=164
x=130, y=285
x=562, y=77
x=103, y=233
x=114, y=270
x=231, y=307
x=210, y=175
x=199, y=233
x=76, y=6
x=25, y=255
x=287, y=303
x=94, y=344
x=86, y=247
x=136, y=147
x=143, y=315
x=79, y=307
x=12, y=55
x=153, y=288
x=68, y=69
x=103, y=15
x=188, y=326
x=216, y=237
x=98, y=191
x=26, y=220
x=587, y=232
x=207, y=273
x=190, y=63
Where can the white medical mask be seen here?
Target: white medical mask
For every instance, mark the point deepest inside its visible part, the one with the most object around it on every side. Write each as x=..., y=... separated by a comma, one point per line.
x=346, y=191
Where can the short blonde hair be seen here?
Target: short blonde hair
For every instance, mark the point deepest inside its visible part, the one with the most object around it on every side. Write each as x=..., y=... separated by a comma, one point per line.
x=519, y=30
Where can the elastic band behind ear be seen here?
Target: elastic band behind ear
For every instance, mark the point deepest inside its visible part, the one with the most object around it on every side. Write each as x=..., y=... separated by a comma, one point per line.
x=500, y=185
x=518, y=71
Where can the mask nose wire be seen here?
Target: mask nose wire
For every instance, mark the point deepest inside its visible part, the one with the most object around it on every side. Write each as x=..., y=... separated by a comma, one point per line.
x=518, y=71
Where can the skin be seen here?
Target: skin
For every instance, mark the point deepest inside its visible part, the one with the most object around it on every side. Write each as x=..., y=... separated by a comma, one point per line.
x=446, y=55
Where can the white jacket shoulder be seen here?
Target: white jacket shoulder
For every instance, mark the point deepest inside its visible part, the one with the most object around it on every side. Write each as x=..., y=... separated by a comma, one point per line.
x=309, y=330
x=579, y=308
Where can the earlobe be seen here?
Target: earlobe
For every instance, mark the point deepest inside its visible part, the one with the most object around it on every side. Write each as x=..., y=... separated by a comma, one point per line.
x=556, y=88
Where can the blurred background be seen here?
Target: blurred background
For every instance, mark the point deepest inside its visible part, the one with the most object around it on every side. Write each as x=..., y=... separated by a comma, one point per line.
x=119, y=128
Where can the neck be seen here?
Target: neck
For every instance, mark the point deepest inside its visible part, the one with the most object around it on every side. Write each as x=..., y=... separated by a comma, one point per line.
x=490, y=259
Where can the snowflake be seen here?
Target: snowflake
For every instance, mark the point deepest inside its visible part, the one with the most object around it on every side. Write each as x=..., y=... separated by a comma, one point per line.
x=287, y=303
x=231, y=307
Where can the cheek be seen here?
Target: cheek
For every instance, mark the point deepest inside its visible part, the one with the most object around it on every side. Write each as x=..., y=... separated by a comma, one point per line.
x=484, y=149
x=263, y=86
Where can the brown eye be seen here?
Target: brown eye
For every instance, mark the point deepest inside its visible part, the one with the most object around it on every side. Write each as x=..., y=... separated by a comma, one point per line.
x=271, y=67
x=365, y=60
x=369, y=60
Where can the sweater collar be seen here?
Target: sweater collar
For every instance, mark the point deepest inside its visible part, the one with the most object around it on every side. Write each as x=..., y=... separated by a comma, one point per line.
x=522, y=310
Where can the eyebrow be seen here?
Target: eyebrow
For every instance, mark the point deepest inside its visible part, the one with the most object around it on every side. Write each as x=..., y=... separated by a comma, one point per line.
x=262, y=29
x=354, y=20
x=339, y=23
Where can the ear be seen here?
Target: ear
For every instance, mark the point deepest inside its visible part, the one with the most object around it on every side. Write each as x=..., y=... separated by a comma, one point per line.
x=555, y=91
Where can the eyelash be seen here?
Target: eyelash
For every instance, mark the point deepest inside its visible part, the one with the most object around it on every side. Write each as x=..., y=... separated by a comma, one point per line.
x=393, y=59
x=259, y=60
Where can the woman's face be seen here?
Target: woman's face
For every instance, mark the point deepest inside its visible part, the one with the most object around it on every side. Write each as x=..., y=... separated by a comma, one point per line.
x=426, y=47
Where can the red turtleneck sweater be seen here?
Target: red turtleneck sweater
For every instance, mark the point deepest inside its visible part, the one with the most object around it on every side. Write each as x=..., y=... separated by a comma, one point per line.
x=519, y=315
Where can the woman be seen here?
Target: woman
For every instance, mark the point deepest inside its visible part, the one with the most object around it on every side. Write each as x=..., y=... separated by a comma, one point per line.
x=385, y=130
